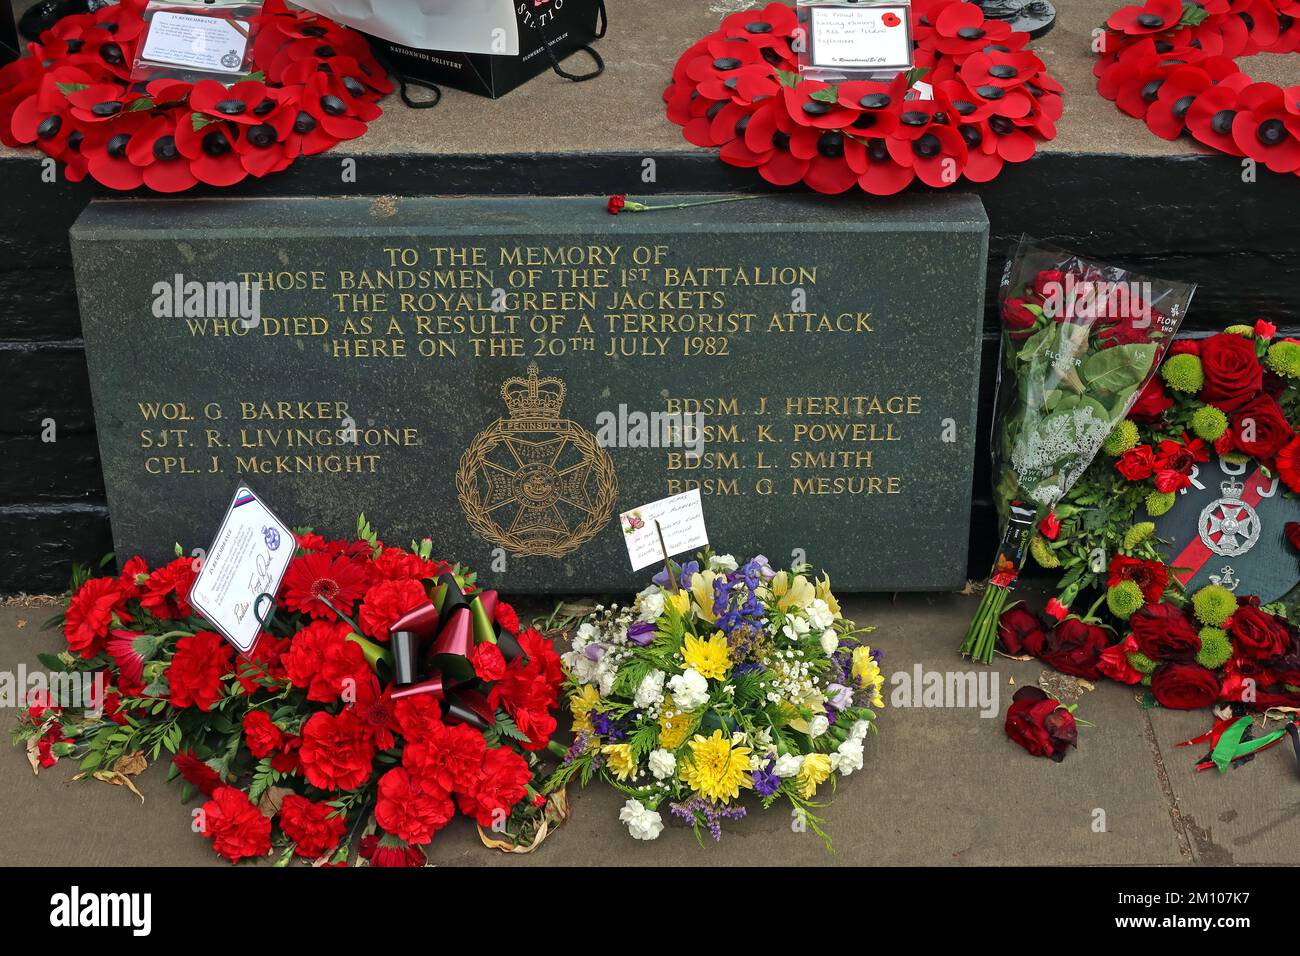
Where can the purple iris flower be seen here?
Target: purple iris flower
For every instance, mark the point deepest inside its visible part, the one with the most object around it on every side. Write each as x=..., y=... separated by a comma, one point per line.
x=593, y=652
x=765, y=781
x=684, y=574
x=641, y=633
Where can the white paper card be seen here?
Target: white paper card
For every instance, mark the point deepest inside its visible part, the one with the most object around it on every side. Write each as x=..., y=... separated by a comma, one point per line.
x=860, y=38
x=462, y=26
x=248, y=557
x=681, y=520
x=208, y=43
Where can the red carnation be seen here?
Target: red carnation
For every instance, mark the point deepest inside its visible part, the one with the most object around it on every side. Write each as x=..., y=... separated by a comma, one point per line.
x=1050, y=526
x=236, y=828
x=418, y=716
x=134, y=573
x=311, y=577
x=195, y=672
x=1040, y=724
x=337, y=751
x=90, y=614
x=504, y=783
x=489, y=664
x=197, y=773
x=1165, y=633
x=261, y=735
x=373, y=705
x=412, y=809
x=385, y=602
x=449, y=757
x=1137, y=464
x=1233, y=375
x=1114, y=662
x=1288, y=464
x=265, y=666
x=1184, y=686
x=616, y=204
x=383, y=849
x=316, y=828
x=506, y=618
x=324, y=661
x=167, y=592
x=1174, y=462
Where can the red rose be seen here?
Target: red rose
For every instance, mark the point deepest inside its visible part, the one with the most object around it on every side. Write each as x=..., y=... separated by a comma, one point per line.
x=1020, y=631
x=167, y=592
x=1137, y=464
x=337, y=751
x=1165, y=633
x=236, y=828
x=450, y=757
x=417, y=716
x=1040, y=724
x=1184, y=686
x=197, y=773
x=504, y=783
x=1260, y=429
x=324, y=661
x=196, y=669
x=1017, y=318
x=1047, y=281
x=413, y=810
x=489, y=664
x=90, y=614
x=1232, y=372
x=261, y=735
x=1257, y=634
x=1184, y=347
x=505, y=616
x=1292, y=531
x=1152, y=403
x=385, y=602
x=1075, y=647
x=316, y=828
x=1264, y=330
x=1288, y=464
x=1151, y=576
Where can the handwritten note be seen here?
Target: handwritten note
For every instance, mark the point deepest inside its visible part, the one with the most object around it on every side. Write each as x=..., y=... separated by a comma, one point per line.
x=680, y=519
x=860, y=37
x=248, y=558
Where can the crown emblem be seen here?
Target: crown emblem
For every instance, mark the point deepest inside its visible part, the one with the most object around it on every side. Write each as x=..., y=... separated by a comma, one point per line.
x=533, y=397
x=1231, y=488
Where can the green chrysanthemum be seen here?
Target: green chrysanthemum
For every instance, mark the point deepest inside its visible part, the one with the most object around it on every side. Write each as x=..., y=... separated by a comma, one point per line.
x=1284, y=358
x=1159, y=502
x=1123, y=599
x=1213, y=605
x=1235, y=458
x=1146, y=680
x=1043, y=553
x=1215, y=648
x=1183, y=373
x=1137, y=534
x=1209, y=423
x=1245, y=331
x=1141, y=663
x=1122, y=437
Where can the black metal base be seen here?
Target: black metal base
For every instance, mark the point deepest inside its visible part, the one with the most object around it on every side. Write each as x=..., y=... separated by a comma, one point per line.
x=1035, y=17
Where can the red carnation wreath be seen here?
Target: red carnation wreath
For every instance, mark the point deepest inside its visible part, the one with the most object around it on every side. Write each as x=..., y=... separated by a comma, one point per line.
x=314, y=84
x=1172, y=64
x=739, y=88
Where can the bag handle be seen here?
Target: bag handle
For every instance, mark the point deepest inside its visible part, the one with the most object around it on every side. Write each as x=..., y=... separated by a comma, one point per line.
x=602, y=20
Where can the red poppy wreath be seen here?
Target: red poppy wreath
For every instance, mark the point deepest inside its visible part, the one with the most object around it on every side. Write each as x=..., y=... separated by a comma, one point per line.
x=1173, y=65
x=314, y=84
x=739, y=88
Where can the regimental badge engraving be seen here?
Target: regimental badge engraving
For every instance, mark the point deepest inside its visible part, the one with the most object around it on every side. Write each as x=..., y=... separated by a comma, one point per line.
x=533, y=482
x=1229, y=526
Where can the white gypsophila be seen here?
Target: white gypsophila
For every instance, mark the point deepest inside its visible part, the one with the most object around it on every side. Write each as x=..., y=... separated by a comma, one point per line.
x=650, y=691
x=651, y=604
x=795, y=627
x=830, y=642
x=850, y=756
x=662, y=764
x=820, y=614
x=690, y=689
x=642, y=822
x=722, y=562
x=818, y=725
x=788, y=765
x=1060, y=448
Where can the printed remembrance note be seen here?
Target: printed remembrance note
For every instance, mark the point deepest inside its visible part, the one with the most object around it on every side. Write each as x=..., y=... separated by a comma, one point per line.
x=185, y=39
x=248, y=558
x=680, y=519
x=857, y=38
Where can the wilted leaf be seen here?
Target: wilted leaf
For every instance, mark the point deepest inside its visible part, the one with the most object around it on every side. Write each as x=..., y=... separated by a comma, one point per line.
x=118, y=780
x=34, y=754
x=130, y=764
x=271, y=800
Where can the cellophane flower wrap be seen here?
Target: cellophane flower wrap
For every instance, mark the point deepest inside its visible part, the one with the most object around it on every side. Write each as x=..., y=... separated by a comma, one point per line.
x=306, y=747
x=720, y=682
x=1080, y=339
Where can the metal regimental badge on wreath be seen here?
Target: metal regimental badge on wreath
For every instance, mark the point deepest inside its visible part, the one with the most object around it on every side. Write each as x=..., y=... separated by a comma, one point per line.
x=533, y=482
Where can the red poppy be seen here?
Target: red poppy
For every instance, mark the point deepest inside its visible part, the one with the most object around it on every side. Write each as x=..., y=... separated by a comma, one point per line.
x=1263, y=129
x=1155, y=16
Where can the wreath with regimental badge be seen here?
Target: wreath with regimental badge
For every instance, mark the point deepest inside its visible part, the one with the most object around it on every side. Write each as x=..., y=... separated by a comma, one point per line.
x=1173, y=64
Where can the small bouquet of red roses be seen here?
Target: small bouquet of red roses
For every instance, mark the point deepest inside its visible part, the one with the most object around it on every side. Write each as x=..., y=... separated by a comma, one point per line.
x=386, y=693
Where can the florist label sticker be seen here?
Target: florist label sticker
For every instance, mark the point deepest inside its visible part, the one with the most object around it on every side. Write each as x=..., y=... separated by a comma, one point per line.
x=209, y=43
x=860, y=37
x=248, y=558
x=680, y=519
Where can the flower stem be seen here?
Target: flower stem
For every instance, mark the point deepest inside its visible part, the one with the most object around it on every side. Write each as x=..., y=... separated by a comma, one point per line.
x=632, y=206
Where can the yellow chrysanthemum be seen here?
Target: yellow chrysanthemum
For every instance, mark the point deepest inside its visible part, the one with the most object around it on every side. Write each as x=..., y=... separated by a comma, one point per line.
x=580, y=705
x=718, y=770
x=680, y=601
x=618, y=760
x=674, y=725
x=711, y=658
x=866, y=672
x=824, y=592
x=792, y=590
x=816, y=768
x=702, y=591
